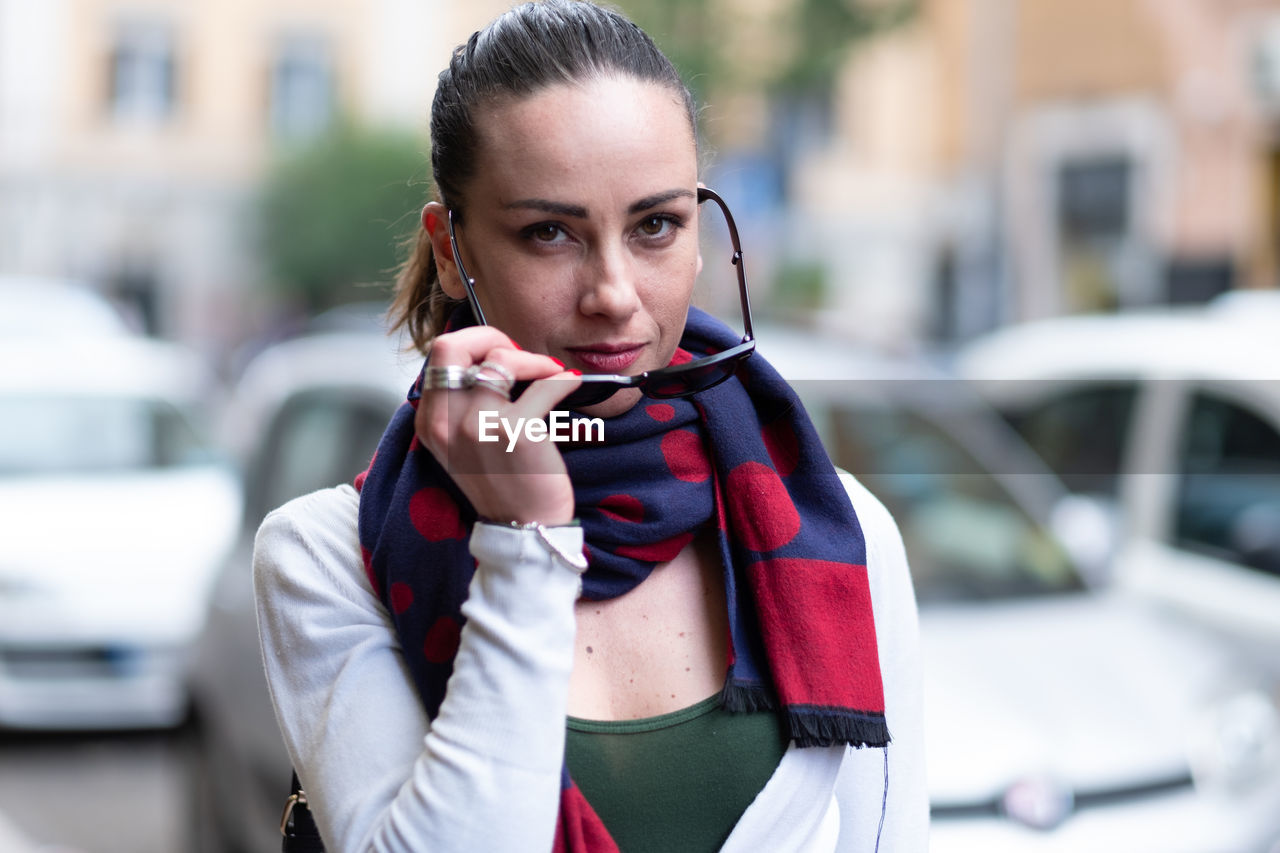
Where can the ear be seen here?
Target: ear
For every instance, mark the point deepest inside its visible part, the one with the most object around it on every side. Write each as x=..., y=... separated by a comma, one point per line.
x=697, y=272
x=435, y=221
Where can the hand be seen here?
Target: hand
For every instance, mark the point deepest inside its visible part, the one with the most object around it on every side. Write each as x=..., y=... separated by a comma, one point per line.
x=530, y=483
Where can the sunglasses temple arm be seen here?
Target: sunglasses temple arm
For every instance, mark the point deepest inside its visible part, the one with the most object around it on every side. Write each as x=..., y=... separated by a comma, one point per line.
x=467, y=281
x=705, y=193
x=742, y=293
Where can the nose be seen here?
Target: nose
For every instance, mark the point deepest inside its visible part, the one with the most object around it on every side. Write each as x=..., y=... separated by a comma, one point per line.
x=611, y=290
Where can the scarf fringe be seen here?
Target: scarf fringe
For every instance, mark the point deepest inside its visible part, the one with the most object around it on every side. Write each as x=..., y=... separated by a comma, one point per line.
x=812, y=727
x=747, y=698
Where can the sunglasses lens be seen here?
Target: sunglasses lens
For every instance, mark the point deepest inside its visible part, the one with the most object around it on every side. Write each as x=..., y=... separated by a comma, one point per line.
x=697, y=377
x=692, y=381
x=588, y=394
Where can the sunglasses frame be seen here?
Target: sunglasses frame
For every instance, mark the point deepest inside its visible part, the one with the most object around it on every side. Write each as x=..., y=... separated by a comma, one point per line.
x=598, y=387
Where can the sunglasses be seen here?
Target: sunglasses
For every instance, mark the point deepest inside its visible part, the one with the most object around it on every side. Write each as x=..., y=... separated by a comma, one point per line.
x=679, y=380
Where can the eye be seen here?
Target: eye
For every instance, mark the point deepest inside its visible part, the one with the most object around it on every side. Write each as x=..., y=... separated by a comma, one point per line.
x=545, y=233
x=653, y=225
x=658, y=225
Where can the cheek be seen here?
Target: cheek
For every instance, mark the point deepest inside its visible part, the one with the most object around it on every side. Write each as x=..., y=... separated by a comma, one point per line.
x=674, y=291
x=525, y=292
x=531, y=310
x=692, y=270
x=537, y=311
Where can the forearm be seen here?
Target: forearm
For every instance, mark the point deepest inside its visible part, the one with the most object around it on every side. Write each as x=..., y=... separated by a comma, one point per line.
x=488, y=777
x=486, y=773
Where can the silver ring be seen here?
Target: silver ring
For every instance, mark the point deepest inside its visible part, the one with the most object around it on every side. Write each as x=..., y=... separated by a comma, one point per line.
x=498, y=386
x=475, y=374
x=450, y=377
x=505, y=374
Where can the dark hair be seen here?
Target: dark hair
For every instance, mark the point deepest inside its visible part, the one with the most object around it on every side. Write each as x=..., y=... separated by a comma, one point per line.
x=524, y=50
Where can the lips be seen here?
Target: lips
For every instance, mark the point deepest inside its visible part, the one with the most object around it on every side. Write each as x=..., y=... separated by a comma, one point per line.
x=606, y=358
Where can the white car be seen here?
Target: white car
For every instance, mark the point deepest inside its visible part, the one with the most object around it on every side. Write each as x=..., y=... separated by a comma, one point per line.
x=1169, y=422
x=114, y=514
x=46, y=307
x=1058, y=716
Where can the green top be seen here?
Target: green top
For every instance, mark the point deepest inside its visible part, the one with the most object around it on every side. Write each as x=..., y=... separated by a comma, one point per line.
x=677, y=782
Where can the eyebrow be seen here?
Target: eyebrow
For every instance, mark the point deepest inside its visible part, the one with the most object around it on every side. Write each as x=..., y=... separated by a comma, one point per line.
x=559, y=208
x=659, y=198
x=577, y=211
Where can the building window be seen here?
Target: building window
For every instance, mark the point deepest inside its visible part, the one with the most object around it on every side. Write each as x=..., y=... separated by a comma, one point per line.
x=142, y=73
x=1094, y=231
x=301, y=87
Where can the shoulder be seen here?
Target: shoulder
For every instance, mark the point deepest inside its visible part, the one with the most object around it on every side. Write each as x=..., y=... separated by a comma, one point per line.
x=888, y=575
x=872, y=514
x=317, y=511
x=886, y=555
x=312, y=539
x=327, y=516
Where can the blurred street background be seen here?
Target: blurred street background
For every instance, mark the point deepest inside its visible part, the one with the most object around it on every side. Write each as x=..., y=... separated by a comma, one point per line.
x=1064, y=214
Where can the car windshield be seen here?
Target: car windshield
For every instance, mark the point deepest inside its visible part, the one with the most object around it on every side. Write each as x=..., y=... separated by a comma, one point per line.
x=51, y=434
x=966, y=537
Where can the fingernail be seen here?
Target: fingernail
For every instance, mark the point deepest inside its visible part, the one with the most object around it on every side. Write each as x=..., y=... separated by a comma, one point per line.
x=558, y=362
x=516, y=345
x=574, y=371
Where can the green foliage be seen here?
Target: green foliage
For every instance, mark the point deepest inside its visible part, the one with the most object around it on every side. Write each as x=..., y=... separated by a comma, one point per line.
x=825, y=30
x=688, y=33
x=820, y=33
x=332, y=214
x=799, y=285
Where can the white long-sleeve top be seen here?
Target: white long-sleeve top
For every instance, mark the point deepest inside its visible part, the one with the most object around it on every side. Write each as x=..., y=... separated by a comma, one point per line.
x=485, y=774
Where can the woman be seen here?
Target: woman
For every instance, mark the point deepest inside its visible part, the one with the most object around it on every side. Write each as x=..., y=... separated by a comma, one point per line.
x=726, y=665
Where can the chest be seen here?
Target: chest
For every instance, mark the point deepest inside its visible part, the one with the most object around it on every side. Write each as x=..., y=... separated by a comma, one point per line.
x=657, y=649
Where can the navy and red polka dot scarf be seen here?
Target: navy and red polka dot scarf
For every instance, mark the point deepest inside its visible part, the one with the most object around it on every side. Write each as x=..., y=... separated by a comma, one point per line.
x=743, y=458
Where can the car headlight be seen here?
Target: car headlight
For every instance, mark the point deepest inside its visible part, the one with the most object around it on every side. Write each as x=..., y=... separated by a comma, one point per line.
x=1237, y=741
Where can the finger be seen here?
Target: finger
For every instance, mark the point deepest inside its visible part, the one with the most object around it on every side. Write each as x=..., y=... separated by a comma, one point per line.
x=543, y=395
x=523, y=365
x=475, y=344
x=467, y=346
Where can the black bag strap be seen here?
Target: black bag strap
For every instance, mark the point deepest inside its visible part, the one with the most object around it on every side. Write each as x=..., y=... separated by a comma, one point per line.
x=297, y=825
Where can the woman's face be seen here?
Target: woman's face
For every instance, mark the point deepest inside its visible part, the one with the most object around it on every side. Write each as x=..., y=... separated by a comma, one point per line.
x=580, y=225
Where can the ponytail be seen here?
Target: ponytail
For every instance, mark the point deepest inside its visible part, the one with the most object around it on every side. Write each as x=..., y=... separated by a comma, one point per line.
x=419, y=304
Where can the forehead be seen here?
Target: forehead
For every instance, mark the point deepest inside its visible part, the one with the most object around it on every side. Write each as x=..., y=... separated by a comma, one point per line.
x=609, y=130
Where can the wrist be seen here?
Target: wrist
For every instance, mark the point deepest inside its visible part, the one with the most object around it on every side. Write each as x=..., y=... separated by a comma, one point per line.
x=535, y=515
x=575, y=560
x=550, y=513
x=526, y=524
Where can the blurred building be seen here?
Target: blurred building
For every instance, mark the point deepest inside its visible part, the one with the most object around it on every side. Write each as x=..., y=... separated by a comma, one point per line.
x=987, y=162
x=1002, y=160
x=133, y=132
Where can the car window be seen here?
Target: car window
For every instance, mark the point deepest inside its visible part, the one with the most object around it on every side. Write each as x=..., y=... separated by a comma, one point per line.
x=1228, y=498
x=56, y=434
x=1081, y=434
x=966, y=537
x=319, y=439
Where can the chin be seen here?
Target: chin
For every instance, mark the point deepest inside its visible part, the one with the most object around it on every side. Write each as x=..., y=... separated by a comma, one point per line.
x=618, y=404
